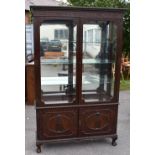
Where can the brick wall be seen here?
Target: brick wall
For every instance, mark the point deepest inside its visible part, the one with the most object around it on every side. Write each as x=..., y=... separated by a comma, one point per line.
x=27, y=17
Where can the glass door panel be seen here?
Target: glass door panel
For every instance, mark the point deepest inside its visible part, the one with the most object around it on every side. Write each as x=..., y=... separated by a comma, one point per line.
x=99, y=52
x=58, y=62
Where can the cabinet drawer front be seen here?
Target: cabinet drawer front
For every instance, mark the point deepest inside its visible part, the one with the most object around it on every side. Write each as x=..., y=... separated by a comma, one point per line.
x=98, y=120
x=57, y=123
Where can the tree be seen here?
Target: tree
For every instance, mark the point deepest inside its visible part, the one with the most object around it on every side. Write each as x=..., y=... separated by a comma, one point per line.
x=112, y=4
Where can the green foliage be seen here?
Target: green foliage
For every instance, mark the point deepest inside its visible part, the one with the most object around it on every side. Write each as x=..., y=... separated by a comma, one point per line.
x=95, y=3
x=111, y=4
x=125, y=85
x=126, y=33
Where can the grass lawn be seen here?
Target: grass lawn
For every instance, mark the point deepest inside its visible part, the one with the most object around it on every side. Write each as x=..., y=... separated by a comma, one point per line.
x=125, y=85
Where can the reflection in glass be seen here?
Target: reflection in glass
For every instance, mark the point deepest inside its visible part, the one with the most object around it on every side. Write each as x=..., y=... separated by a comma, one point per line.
x=57, y=56
x=99, y=48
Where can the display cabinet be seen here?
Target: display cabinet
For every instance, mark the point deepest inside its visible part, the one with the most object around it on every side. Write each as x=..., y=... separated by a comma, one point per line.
x=77, y=72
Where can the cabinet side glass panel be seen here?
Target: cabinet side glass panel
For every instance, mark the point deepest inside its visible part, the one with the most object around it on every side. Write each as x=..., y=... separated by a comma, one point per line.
x=99, y=53
x=57, y=62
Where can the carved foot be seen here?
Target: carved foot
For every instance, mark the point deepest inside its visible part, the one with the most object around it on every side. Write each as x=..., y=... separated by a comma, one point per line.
x=38, y=150
x=114, y=141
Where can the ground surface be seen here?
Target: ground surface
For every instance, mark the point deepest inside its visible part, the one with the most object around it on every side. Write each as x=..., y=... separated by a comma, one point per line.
x=102, y=147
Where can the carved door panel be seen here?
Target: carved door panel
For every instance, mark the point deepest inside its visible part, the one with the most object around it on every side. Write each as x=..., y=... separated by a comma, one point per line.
x=57, y=123
x=99, y=120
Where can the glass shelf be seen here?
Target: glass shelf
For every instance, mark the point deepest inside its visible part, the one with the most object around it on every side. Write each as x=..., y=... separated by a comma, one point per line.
x=63, y=80
x=103, y=42
x=66, y=61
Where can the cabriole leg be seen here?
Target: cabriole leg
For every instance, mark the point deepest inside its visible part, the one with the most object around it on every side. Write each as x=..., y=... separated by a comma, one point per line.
x=38, y=150
x=114, y=140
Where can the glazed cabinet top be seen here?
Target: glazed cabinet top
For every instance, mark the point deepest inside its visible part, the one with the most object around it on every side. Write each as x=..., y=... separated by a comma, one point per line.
x=77, y=55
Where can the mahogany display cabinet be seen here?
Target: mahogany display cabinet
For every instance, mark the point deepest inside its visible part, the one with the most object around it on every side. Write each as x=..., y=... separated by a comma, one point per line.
x=77, y=88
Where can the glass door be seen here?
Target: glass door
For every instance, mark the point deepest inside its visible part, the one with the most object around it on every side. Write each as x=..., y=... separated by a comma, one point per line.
x=58, y=62
x=99, y=53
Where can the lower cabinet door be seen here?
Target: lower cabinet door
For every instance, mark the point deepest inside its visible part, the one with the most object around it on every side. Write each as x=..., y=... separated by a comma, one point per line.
x=99, y=120
x=57, y=123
